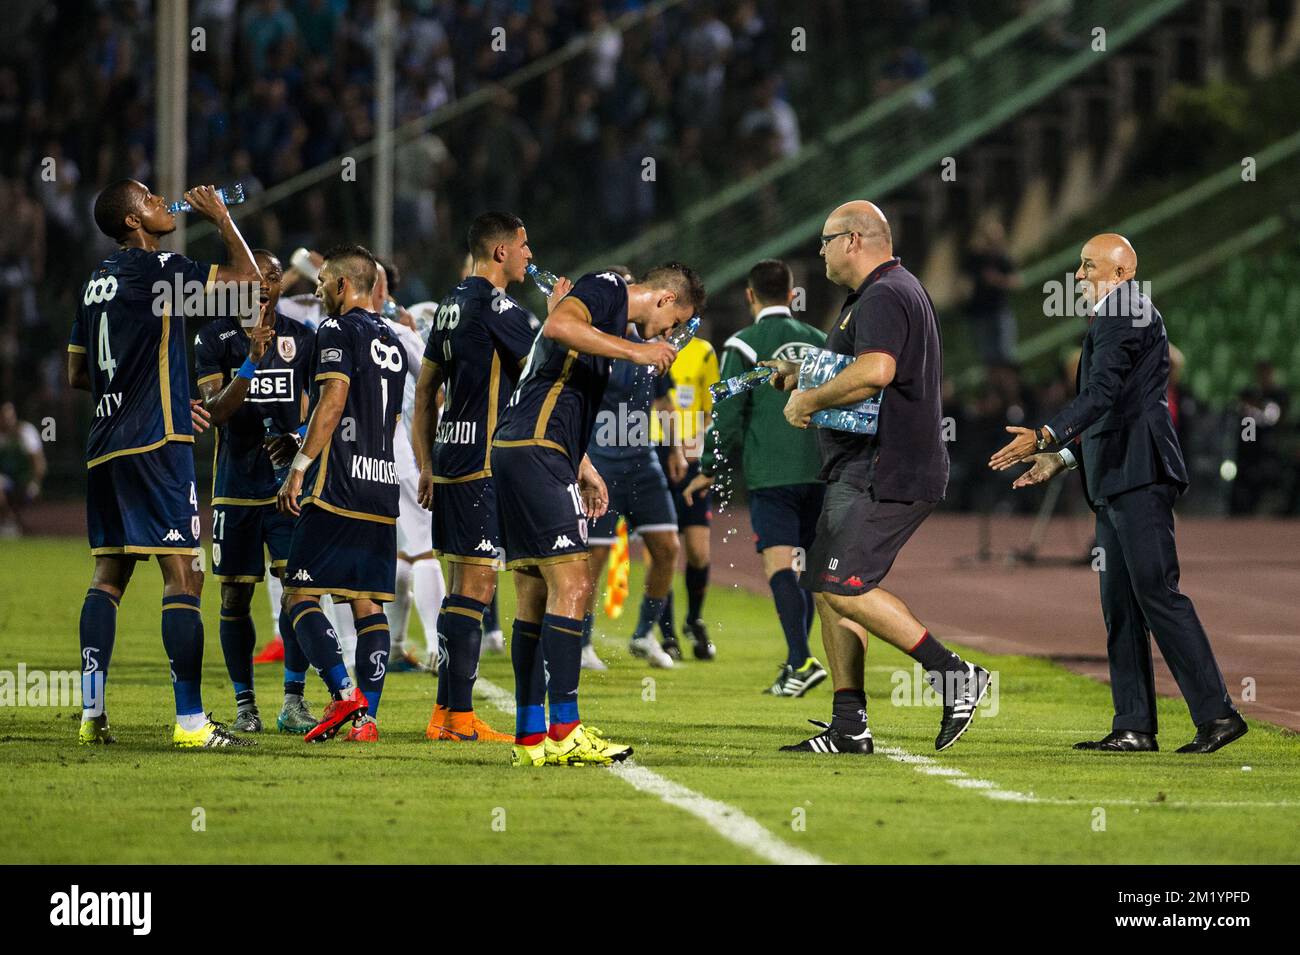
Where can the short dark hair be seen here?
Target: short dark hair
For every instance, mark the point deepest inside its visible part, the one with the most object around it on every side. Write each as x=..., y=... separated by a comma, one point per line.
x=266, y=254
x=488, y=229
x=390, y=270
x=679, y=278
x=357, y=263
x=771, y=281
x=113, y=205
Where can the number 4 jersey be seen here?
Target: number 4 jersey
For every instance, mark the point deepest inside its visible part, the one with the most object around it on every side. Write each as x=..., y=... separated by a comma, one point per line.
x=355, y=475
x=136, y=351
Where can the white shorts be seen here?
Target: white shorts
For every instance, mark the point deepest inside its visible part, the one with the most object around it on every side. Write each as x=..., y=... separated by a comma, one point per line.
x=414, y=523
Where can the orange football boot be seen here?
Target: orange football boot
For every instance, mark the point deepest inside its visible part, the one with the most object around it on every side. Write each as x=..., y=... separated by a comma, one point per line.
x=468, y=728
x=437, y=728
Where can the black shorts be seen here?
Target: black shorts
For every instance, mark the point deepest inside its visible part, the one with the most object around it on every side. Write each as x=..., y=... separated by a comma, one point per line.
x=699, y=513
x=638, y=491
x=857, y=539
x=539, y=509
x=242, y=536
x=345, y=556
x=785, y=516
x=144, y=504
x=465, y=527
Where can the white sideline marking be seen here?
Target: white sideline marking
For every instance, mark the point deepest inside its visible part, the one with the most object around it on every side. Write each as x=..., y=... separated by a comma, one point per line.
x=727, y=821
x=929, y=766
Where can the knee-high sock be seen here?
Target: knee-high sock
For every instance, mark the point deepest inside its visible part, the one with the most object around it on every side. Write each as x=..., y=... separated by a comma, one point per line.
x=399, y=611
x=346, y=628
x=444, y=681
x=652, y=609
x=530, y=682
x=182, y=633
x=275, y=594
x=809, y=611
x=491, y=622
x=238, y=641
x=562, y=648
x=666, y=625
x=697, y=586
x=373, y=646
x=98, y=631
x=460, y=626
x=295, y=659
x=320, y=641
x=790, y=609
x=426, y=575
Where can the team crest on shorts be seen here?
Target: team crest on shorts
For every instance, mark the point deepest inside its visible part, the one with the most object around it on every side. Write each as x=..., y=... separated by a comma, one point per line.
x=287, y=347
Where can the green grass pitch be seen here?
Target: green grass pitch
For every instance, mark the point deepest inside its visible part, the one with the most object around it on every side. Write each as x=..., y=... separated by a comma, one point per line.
x=1011, y=790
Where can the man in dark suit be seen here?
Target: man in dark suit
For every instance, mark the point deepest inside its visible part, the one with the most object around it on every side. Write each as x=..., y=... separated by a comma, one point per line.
x=1118, y=432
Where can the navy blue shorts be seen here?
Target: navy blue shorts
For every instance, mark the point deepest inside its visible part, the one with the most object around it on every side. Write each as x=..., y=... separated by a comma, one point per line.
x=240, y=535
x=785, y=516
x=144, y=503
x=699, y=513
x=465, y=522
x=638, y=490
x=538, y=506
x=345, y=556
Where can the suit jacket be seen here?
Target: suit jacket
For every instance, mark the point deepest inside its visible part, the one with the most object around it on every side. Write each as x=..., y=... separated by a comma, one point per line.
x=1120, y=417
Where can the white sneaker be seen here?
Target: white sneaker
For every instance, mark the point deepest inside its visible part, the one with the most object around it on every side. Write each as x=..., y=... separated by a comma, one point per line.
x=648, y=649
x=494, y=642
x=590, y=661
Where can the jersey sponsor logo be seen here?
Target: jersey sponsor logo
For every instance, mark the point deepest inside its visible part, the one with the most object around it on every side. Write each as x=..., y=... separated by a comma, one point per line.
x=791, y=351
x=387, y=357
x=107, y=404
x=457, y=432
x=331, y=355
x=173, y=535
x=287, y=347
x=562, y=541
x=224, y=335
x=485, y=545
x=366, y=468
x=100, y=290
x=270, y=384
x=302, y=575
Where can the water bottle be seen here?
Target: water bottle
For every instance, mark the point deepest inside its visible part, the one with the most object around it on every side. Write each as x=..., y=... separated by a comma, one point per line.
x=543, y=279
x=231, y=197
x=820, y=366
x=271, y=434
x=679, y=337
x=389, y=311
x=746, y=381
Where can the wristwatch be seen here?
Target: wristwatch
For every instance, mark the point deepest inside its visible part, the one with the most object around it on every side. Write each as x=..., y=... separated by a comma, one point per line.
x=1043, y=439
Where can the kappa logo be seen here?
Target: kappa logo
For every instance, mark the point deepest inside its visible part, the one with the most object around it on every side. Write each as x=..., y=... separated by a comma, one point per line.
x=163, y=257
x=331, y=323
x=302, y=575
x=485, y=545
x=173, y=535
x=562, y=541
x=608, y=277
x=502, y=303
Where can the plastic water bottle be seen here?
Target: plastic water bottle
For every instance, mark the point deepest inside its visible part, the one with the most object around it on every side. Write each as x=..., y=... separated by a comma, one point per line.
x=746, y=381
x=543, y=279
x=231, y=197
x=271, y=434
x=679, y=337
x=820, y=366
x=389, y=311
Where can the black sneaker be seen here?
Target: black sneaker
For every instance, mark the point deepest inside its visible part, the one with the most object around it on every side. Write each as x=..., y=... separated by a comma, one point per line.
x=833, y=741
x=958, y=714
x=704, y=648
x=792, y=682
x=672, y=647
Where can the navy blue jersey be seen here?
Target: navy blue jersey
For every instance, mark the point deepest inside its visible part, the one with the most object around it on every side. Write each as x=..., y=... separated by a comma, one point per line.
x=623, y=421
x=479, y=339
x=242, y=471
x=555, y=404
x=135, y=351
x=356, y=475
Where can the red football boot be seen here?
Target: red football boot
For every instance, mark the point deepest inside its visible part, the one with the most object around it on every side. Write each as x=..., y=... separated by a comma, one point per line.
x=273, y=652
x=365, y=730
x=338, y=712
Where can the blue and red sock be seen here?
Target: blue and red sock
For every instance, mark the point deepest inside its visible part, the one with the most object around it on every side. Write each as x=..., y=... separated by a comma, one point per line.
x=562, y=648
x=530, y=682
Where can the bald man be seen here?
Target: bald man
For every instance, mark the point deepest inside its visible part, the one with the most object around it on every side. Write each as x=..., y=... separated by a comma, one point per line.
x=879, y=487
x=1119, y=433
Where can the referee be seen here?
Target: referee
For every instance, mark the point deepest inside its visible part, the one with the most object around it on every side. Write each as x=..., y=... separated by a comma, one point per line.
x=879, y=488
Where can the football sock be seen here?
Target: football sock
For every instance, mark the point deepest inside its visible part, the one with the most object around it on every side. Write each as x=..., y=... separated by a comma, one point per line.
x=346, y=628
x=849, y=712
x=652, y=609
x=313, y=628
x=588, y=622
x=490, y=619
x=530, y=682
x=460, y=625
x=697, y=586
x=666, y=626
x=373, y=647
x=275, y=594
x=444, y=681
x=429, y=588
x=399, y=611
x=295, y=661
x=809, y=611
x=937, y=661
x=562, y=647
x=790, y=610
x=182, y=633
x=98, y=630
x=238, y=641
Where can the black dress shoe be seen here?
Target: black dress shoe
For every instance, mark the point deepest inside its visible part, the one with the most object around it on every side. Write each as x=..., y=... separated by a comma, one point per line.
x=1122, y=741
x=1216, y=734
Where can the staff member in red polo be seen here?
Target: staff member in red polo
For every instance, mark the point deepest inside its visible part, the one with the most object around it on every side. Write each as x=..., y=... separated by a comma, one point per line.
x=879, y=488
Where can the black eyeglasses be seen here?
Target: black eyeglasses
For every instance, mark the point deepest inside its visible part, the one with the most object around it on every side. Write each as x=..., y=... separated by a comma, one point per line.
x=833, y=236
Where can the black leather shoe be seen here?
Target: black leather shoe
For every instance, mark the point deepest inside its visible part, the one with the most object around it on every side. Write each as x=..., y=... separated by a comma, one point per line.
x=1216, y=734
x=1122, y=741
